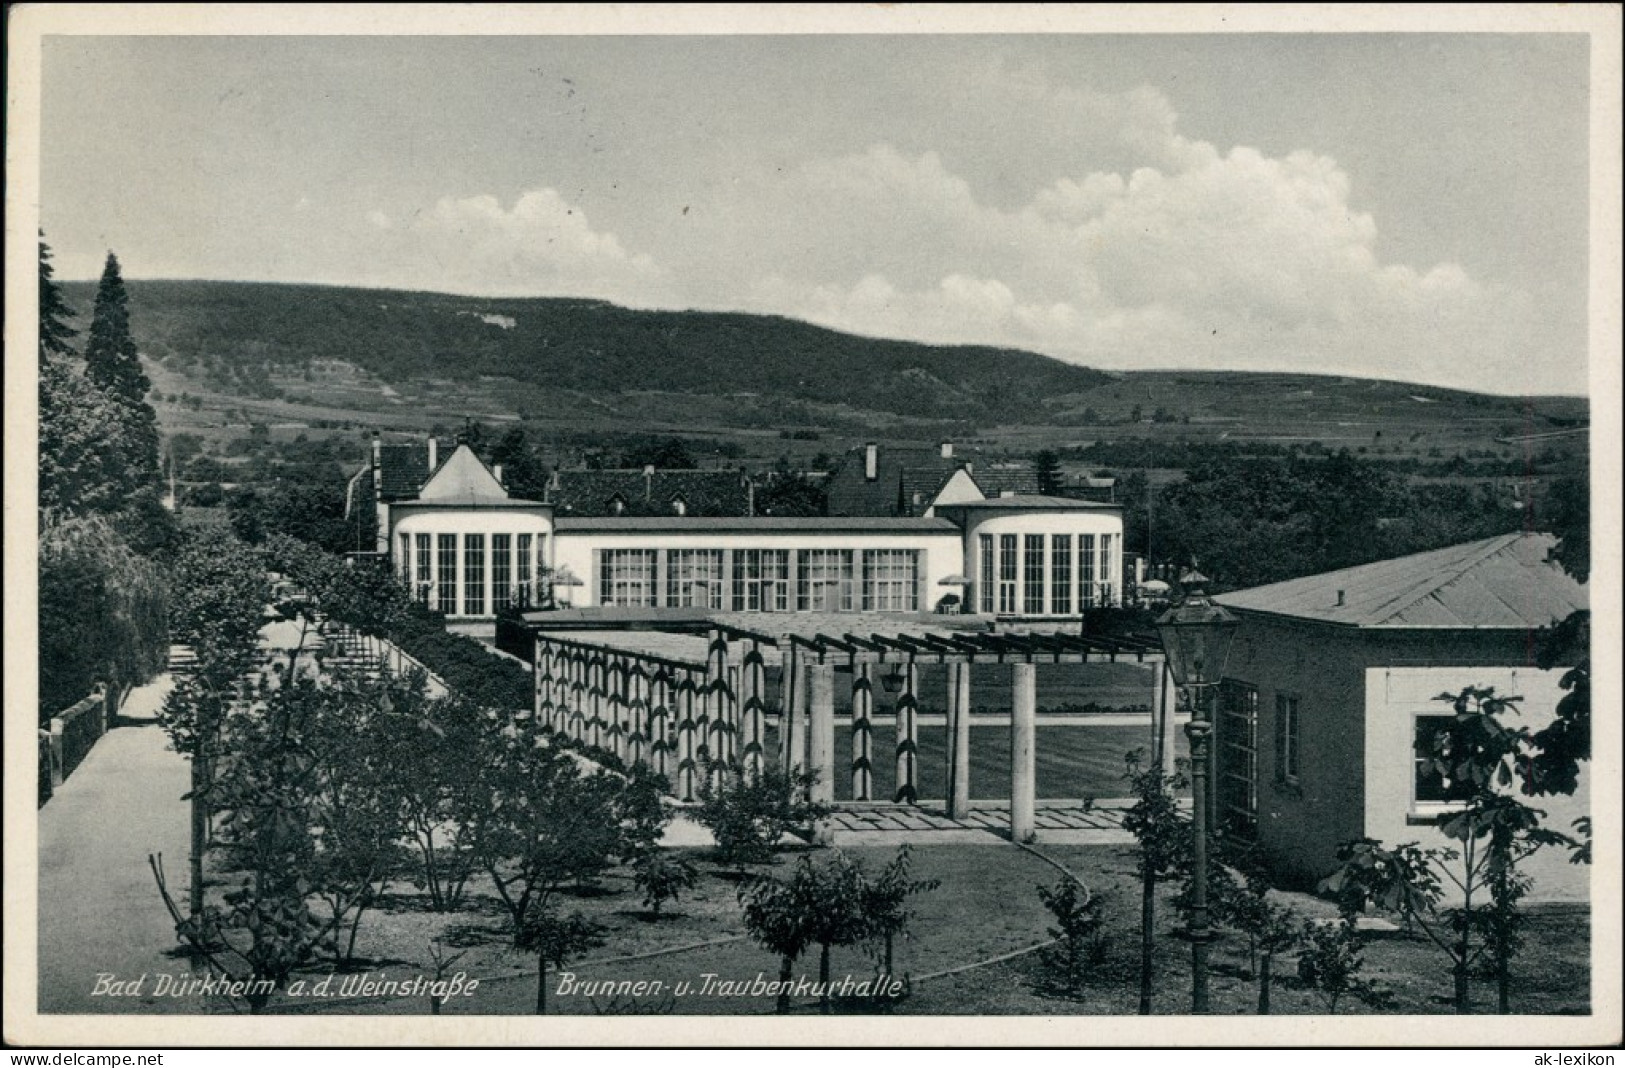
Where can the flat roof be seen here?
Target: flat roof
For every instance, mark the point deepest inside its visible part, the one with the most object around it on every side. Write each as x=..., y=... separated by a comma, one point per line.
x=760, y=524
x=1033, y=502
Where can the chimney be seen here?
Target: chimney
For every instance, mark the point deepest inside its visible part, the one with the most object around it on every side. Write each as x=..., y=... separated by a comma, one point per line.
x=496, y=470
x=871, y=462
x=947, y=450
x=434, y=453
x=1340, y=600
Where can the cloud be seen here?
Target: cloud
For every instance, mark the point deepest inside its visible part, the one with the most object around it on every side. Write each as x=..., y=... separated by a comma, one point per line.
x=540, y=246
x=1195, y=259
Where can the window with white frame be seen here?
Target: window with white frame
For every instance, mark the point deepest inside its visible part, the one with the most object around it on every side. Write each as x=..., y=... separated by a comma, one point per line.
x=524, y=584
x=425, y=573
x=403, y=562
x=627, y=577
x=473, y=574
x=824, y=580
x=891, y=580
x=1287, y=728
x=1032, y=561
x=1007, y=573
x=1060, y=565
x=984, y=576
x=1108, y=566
x=446, y=571
x=694, y=578
x=761, y=580
x=1086, y=571
x=1429, y=786
x=501, y=571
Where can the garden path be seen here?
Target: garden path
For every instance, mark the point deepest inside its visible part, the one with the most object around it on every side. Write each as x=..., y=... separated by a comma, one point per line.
x=99, y=910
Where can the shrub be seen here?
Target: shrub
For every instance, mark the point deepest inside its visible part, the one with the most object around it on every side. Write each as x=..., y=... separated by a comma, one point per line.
x=748, y=813
x=662, y=878
x=1080, y=946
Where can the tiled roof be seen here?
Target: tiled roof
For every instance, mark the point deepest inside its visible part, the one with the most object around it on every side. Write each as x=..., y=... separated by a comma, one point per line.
x=703, y=493
x=1005, y=478
x=920, y=486
x=899, y=473
x=404, y=469
x=1501, y=582
x=671, y=524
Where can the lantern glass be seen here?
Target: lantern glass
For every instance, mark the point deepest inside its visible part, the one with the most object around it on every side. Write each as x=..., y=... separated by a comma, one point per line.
x=1196, y=635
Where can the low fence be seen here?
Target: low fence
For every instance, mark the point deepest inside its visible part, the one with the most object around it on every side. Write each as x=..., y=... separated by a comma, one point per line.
x=68, y=739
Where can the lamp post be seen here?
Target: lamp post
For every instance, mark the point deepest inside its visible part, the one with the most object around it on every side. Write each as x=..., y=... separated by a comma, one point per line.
x=1196, y=635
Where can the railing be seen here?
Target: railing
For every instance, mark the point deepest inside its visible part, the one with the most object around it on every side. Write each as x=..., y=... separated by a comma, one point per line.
x=69, y=739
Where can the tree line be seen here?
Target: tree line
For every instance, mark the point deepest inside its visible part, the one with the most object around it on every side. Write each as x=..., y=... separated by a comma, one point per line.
x=105, y=538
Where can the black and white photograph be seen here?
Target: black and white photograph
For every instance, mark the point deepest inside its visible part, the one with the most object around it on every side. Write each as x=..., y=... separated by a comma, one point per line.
x=846, y=525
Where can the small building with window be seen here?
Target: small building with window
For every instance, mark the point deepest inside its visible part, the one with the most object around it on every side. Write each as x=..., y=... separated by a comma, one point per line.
x=1331, y=687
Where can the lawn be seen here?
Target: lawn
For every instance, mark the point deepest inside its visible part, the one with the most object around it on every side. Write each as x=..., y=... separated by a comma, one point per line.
x=986, y=907
x=1073, y=761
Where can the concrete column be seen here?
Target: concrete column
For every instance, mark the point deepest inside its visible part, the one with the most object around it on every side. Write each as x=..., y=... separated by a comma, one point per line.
x=792, y=726
x=1165, y=703
x=660, y=721
x=598, y=683
x=752, y=719
x=863, y=705
x=638, y=742
x=959, y=726
x=821, y=731
x=1023, y=754
x=541, y=711
x=908, y=732
x=687, y=733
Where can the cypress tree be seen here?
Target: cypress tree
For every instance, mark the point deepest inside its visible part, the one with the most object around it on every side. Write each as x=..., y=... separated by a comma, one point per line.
x=112, y=363
x=110, y=355
x=54, y=312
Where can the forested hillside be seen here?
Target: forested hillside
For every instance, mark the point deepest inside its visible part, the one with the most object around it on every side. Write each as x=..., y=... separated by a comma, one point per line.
x=245, y=331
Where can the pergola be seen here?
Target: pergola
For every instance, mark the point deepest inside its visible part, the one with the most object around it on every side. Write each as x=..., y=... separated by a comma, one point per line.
x=672, y=688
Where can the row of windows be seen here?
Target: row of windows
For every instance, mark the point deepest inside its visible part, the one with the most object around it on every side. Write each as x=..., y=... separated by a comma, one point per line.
x=1237, y=729
x=1049, y=585
x=432, y=564
x=762, y=580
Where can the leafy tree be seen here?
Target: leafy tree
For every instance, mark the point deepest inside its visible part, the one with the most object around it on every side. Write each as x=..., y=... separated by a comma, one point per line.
x=1271, y=929
x=671, y=454
x=1496, y=831
x=886, y=905
x=1164, y=837
x=217, y=598
x=787, y=492
x=523, y=472
x=312, y=511
x=556, y=942
x=545, y=823
x=1331, y=962
x=748, y=813
x=85, y=443
x=113, y=364
x=662, y=878
x=775, y=917
x=54, y=312
x=1080, y=946
x=102, y=613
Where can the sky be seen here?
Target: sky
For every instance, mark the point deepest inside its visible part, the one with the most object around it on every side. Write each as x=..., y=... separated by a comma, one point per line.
x=1385, y=205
